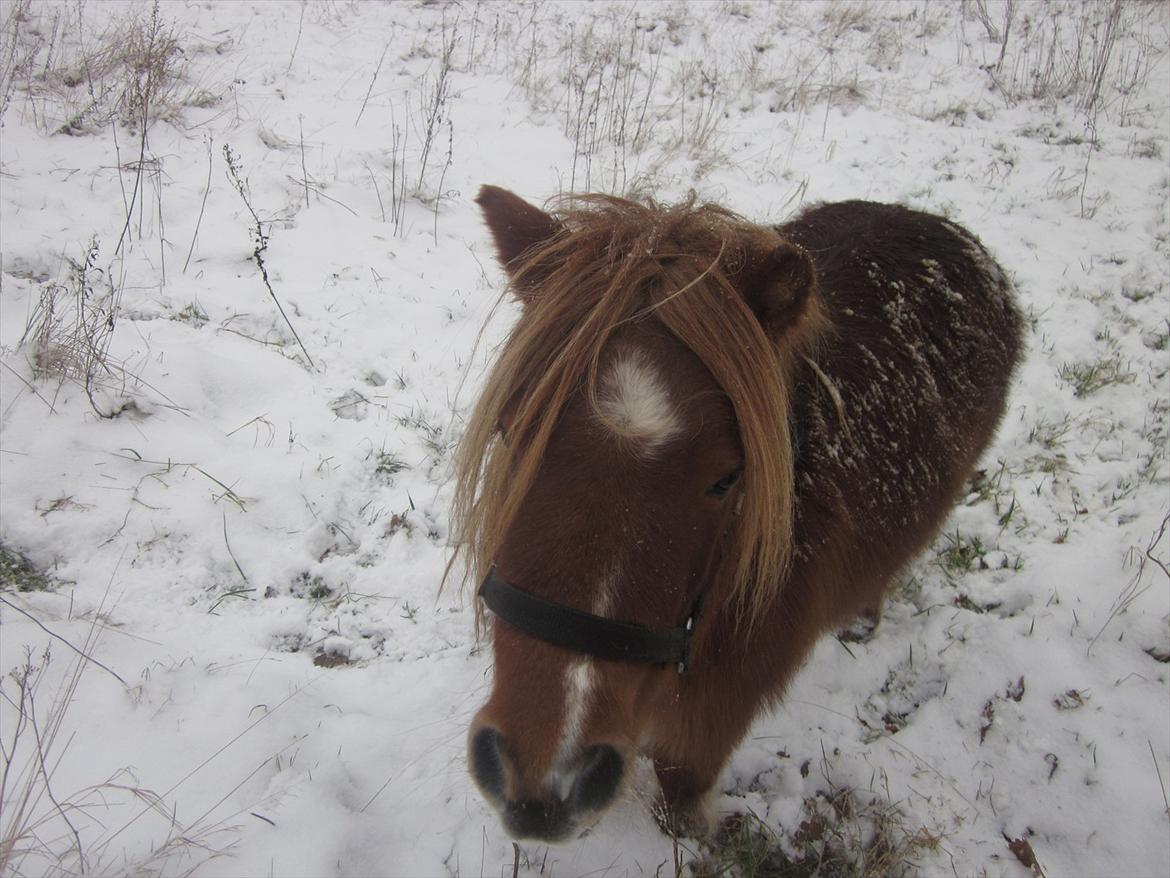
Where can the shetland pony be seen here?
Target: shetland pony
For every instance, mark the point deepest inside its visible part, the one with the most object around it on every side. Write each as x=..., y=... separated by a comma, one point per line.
x=704, y=444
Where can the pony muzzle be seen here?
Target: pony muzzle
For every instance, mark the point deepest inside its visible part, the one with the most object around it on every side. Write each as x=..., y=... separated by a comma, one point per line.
x=582, y=790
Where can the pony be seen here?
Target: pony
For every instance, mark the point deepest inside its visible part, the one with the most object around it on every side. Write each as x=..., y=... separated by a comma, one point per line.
x=704, y=443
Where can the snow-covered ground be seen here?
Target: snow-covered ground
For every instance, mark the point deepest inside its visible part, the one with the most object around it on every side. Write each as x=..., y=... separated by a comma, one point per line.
x=242, y=511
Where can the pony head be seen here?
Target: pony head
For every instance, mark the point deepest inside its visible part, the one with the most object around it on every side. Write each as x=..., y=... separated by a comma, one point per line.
x=629, y=459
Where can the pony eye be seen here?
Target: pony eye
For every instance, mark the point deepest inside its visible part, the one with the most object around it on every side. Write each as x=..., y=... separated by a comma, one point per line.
x=721, y=487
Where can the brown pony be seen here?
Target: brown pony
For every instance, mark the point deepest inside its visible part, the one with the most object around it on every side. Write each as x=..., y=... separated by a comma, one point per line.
x=704, y=444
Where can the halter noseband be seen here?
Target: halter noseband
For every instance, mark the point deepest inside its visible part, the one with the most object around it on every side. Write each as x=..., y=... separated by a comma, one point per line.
x=576, y=630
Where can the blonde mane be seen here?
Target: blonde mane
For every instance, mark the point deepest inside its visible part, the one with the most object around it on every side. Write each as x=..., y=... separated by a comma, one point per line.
x=613, y=262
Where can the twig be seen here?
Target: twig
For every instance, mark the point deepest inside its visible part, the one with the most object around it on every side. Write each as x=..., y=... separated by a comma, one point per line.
x=137, y=186
x=228, y=494
x=398, y=138
x=1091, y=124
x=442, y=178
x=37, y=622
x=45, y=774
x=1131, y=592
x=300, y=25
x=202, y=206
x=29, y=386
x=118, y=162
x=1157, y=538
x=243, y=575
x=162, y=231
x=304, y=172
x=1158, y=771
x=370, y=90
x=377, y=192
x=1008, y=15
x=316, y=190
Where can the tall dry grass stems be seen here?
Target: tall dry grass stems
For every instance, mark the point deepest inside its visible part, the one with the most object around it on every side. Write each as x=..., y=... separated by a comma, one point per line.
x=1098, y=54
x=422, y=139
x=68, y=334
x=637, y=94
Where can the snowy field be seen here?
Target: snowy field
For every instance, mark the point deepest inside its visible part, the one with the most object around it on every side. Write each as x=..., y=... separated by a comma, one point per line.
x=243, y=280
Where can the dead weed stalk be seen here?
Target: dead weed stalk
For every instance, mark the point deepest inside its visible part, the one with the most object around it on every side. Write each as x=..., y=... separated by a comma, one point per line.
x=259, y=239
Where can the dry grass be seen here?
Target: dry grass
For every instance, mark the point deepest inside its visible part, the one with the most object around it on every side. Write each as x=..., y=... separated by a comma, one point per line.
x=842, y=834
x=69, y=79
x=1087, y=377
x=47, y=833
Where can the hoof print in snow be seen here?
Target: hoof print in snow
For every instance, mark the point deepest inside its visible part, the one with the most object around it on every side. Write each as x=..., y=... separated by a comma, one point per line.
x=325, y=659
x=342, y=544
x=351, y=405
x=963, y=602
x=907, y=687
x=409, y=523
x=387, y=465
x=288, y=642
x=1013, y=692
x=310, y=587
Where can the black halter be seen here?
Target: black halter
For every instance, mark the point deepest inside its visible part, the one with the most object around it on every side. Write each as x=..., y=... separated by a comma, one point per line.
x=576, y=630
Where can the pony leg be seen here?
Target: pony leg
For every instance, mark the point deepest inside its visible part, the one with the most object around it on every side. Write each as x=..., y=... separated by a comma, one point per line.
x=694, y=732
x=863, y=627
x=688, y=759
x=686, y=803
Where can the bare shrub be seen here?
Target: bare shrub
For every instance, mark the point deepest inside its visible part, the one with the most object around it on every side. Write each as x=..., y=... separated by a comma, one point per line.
x=69, y=332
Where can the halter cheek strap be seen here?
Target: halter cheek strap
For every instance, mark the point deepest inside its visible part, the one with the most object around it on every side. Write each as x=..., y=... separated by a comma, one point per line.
x=576, y=630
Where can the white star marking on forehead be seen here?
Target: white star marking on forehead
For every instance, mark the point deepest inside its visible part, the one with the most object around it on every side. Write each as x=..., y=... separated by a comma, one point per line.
x=636, y=404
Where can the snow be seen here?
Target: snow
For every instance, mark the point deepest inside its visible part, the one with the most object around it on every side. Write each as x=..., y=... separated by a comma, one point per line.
x=254, y=546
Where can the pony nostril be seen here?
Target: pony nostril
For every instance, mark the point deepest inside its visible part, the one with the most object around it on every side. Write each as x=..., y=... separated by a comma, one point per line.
x=487, y=763
x=595, y=786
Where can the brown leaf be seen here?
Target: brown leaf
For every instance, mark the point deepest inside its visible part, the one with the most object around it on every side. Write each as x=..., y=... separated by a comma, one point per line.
x=988, y=718
x=1016, y=691
x=1022, y=848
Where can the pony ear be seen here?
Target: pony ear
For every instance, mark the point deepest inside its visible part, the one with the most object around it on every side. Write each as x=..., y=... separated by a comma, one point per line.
x=778, y=285
x=516, y=225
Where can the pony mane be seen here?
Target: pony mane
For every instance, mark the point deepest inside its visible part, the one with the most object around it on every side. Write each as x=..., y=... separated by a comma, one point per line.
x=616, y=261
